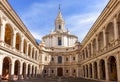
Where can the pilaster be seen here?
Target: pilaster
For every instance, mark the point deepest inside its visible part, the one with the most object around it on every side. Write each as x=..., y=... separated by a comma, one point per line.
x=116, y=29
x=106, y=70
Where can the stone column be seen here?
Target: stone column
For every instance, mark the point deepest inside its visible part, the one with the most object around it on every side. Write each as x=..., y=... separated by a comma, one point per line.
x=12, y=70
x=88, y=70
x=2, y=33
x=91, y=49
x=20, y=71
x=106, y=70
x=96, y=45
x=14, y=40
x=21, y=45
x=31, y=52
x=30, y=71
x=27, y=49
x=116, y=29
x=56, y=72
x=88, y=52
x=93, y=75
x=26, y=71
x=98, y=69
x=104, y=38
x=70, y=71
x=49, y=72
x=1, y=66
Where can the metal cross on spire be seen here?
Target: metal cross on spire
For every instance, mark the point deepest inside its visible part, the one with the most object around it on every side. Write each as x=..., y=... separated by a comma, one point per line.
x=59, y=7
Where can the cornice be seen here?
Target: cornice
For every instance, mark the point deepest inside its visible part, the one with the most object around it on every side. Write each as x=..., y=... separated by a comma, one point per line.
x=12, y=15
x=103, y=16
x=54, y=34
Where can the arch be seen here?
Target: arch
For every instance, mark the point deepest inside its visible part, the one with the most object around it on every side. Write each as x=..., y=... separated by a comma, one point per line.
x=29, y=50
x=100, y=41
x=8, y=34
x=86, y=52
x=112, y=68
x=24, y=46
x=36, y=55
x=94, y=47
x=109, y=33
x=18, y=40
x=33, y=53
x=102, y=70
x=86, y=70
x=6, y=70
x=90, y=71
x=36, y=71
x=95, y=70
x=17, y=68
x=32, y=71
x=89, y=47
x=24, y=70
x=118, y=22
x=29, y=68
x=83, y=54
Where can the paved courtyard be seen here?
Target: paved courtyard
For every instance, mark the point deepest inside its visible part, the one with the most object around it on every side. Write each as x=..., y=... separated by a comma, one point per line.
x=55, y=80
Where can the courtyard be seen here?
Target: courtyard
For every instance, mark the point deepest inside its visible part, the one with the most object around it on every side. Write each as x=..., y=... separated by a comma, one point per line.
x=55, y=80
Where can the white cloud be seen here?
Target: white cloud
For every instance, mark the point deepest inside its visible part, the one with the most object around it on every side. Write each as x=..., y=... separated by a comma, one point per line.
x=80, y=24
x=37, y=36
x=39, y=17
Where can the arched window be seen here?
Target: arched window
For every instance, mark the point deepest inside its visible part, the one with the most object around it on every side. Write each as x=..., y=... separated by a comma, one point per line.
x=59, y=59
x=59, y=41
x=59, y=27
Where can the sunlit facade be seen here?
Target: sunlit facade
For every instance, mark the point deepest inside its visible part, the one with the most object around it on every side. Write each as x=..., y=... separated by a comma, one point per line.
x=60, y=54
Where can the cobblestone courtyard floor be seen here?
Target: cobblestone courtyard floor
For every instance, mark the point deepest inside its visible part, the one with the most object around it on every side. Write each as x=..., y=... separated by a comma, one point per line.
x=55, y=80
x=62, y=80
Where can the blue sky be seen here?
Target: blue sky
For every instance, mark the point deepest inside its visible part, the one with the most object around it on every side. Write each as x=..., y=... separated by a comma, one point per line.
x=39, y=15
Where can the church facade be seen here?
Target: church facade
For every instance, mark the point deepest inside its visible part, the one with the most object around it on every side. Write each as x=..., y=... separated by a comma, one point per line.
x=60, y=51
x=60, y=54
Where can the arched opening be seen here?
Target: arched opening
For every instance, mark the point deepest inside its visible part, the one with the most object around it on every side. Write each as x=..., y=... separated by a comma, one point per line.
x=89, y=50
x=95, y=70
x=8, y=35
x=86, y=70
x=59, y=41
x=110, y=33
x=29, y=50
x=29, y=70
x=32, y=71
x=16, y=69
x=36, y=55
x=24, y=46
x=59, y=59
x=83, y=54
x=102, y=70
x=6, y=68
x=90, y=70
x=35, y=71
x=118, y=25
x=112, y=68
x=18, y=40
x=94, y=47
x=33, y=53
x=24, y=70
x=86, y=53
x=100, y=41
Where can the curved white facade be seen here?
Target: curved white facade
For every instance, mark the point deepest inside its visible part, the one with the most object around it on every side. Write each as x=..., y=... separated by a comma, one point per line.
x=60, y=37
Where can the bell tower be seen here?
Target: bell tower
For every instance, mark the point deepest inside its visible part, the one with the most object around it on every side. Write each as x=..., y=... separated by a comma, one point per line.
x=59, y=22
